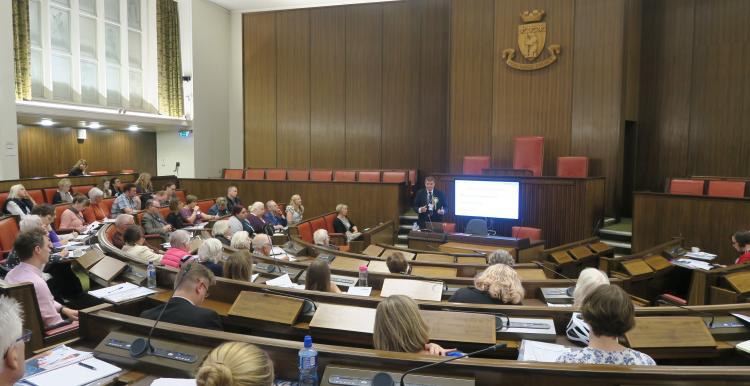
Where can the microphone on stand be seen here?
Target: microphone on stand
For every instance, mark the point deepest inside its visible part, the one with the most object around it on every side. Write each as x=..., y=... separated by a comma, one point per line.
x=384, y=379
x=568, y=291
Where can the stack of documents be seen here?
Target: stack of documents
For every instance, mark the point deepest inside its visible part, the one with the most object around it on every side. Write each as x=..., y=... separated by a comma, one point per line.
x=75, y=374
x=284, y=281
x=693, y=264
x=532, y=350
x=701, y=255
x=121, y=292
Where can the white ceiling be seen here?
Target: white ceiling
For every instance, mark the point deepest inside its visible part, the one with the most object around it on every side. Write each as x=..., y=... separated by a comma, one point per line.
x=272, y=5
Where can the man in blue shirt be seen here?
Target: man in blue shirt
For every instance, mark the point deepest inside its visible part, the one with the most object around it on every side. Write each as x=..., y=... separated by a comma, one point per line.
x=126, y=202
x=274, y=216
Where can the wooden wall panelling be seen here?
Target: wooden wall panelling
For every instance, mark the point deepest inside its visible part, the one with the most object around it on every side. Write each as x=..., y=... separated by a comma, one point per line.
x=328, y=87
x=532, y=102
x=720, y=97
x=471, y=80
x=664, y=105
x=433, y=85
x=633, y=26
x=259, y=41
x=364, y=65
x=293, y=88
x=401, y=54
x=598, y=79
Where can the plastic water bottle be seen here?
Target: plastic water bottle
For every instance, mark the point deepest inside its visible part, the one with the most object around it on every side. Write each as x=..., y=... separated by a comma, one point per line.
x=362, y=276
x=308, y=364
x=151, y=275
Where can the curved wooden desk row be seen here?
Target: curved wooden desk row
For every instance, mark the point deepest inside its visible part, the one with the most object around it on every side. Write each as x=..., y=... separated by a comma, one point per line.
x=51, y=182
x=98, y=322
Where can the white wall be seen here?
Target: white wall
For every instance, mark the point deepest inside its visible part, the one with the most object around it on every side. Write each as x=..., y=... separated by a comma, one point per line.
x=8, y=129
x=236, y=113
x=171, y=148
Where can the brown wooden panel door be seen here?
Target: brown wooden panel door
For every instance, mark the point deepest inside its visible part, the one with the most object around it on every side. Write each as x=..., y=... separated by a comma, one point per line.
x=293, y=88
x=259, y=42
x=328, y=87
x=364, y=65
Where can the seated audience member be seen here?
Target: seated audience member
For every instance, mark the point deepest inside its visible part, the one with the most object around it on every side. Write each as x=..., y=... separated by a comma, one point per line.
x=498, y=284
x=161, y=198
x=741, y=242
x=115, y=187
x=255, y=218
x=72, y=218
x=171, y=190
x=294, y=210
x=62, y=195
x=33, y=250
x=232, y=199
x=241, y=241
x=191, y=288
x=79, y=169
x=96, y=196
x=143, y=183
x=126, y=202
x=318, y=278
x=239, y=266
x=191, y=213
x=105, y=187
x=501, y=256
x=18, y=203
x=174, y=218
x=30, y=222
x=262, y=244
x=219, y=208
x=342, y=224
x=179, y=249
x=121, y=223
x=588, y=280
x=46, y=215
x=238, y=221
x=320, y=237
x=222, y=232
x=274, y=216
x=610, y=314
x=153, y=222
x=211, y=255
x=12, y=341
x=397, y=263
x=135, y=246
x=236, y=364
x=399, y=327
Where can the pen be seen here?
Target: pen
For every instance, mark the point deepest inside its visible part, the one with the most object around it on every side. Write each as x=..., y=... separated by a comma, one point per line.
x=87, y=366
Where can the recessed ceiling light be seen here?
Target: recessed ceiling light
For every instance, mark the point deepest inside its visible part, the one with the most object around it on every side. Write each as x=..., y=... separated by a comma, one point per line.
x=94, y=125
x=133, y=128
x=46, y=122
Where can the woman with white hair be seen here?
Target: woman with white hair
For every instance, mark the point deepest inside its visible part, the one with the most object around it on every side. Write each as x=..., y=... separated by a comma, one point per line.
x=179, y=250
x=19, y=203
x=241, y=241
x=498, y=284
x=222, y=232
x=500, y=256
x=96, y=196
x=62, y=195
x=211, y=255
x=255, y=218
x=588, y=280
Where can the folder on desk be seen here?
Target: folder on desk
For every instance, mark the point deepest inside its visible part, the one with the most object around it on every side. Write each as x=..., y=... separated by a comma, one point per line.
x=108, y=268
x=91, y=257
x=75, y=374
x=415, y=289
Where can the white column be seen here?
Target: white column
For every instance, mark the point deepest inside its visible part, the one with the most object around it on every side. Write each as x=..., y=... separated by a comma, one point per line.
x=236, y=111
x=8, y=127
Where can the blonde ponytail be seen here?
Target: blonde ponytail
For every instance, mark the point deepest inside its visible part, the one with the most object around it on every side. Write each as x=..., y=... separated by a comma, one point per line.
x=235, y=363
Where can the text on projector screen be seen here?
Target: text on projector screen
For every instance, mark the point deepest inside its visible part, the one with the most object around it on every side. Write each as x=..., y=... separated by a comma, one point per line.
x=495, y=199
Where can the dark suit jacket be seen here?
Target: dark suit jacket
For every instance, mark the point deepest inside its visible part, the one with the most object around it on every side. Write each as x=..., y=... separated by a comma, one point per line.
x=420, y=199
x=181, y=311
x=473, y=295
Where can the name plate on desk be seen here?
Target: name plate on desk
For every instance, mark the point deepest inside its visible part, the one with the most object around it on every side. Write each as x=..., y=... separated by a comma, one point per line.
x=415, y=289
x=336, y=375
x=556, y=295
x=266, y=307
x=344, y=281
x=542, y=329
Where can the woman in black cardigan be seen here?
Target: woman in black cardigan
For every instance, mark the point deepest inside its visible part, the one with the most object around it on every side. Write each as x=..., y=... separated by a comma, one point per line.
x=342, y=224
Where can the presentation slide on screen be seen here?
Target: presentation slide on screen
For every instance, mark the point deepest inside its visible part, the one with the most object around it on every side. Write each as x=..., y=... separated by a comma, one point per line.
x=495, y=199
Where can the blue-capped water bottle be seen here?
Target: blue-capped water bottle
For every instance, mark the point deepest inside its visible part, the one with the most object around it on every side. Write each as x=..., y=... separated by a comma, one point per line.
x=151, y=275
x=308, y=364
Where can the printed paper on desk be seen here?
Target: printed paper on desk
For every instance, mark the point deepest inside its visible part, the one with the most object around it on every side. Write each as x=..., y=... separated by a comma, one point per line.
x=281, y=281
x=75, y=374
x=532, y=350
x=559, y=305
x=254, y=276
x=174, y=382
x=359, y=291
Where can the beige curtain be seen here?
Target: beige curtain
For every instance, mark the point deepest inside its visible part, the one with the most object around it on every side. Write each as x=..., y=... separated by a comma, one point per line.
x=170, y=59
x=21, y=49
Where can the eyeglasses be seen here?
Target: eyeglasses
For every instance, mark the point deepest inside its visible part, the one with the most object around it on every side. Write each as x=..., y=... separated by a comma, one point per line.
x=25, y=337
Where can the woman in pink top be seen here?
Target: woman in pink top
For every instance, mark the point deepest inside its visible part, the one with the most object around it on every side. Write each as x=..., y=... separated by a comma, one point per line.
x=72, y=218
x=178, y=251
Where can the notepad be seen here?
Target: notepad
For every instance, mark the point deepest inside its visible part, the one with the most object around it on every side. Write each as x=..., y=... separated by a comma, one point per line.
x=75, y=374
x=122, y=292
x=359, y=291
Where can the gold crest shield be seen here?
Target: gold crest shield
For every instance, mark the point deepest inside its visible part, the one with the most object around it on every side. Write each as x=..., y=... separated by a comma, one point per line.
x=531, y=38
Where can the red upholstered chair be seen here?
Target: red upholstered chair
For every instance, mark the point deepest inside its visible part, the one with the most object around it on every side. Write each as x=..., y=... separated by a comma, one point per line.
x=394, y=177
x=59, y=209
x=297, y=175
x=275, y=174
x=412, y=177
x=449, y=227
x=107, y=205
x=345, y=176
x=82, y=189
x=321, y=175
x=61, y=175
x=305, y=232
x=99, y=173
x=532, y=234
x=255, y=174
x=368, y=176
x=726, y=188
x=110, y=232
x=128, y=171
x=139, y=217
x=528, y=153
x=37, y=195
x=318, y=223
x=329, y=219
x=686, y=187
x=573, y=167
x=233, y=174
x=4, y=197
x=49, y=193
x=473, y=164
x=8, y=232
x=205, y=205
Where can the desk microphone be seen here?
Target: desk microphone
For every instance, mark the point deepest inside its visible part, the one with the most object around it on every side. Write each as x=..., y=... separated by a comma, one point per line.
x=384, y=379
x=308, y=307
x=568, y=291
x=710, y=324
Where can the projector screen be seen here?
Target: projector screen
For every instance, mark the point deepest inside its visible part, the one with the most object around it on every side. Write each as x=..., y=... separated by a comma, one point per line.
x=495, y=199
